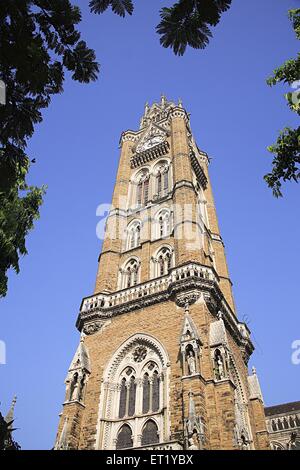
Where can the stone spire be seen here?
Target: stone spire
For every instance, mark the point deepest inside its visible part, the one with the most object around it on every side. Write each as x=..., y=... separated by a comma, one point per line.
x=9, y=418
x=62, y=442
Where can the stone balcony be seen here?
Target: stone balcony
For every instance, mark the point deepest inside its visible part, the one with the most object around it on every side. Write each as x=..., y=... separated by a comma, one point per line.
x=105, y=301
x=184, y=284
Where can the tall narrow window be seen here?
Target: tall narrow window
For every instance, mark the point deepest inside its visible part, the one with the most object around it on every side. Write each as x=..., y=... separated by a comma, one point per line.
x=137, y=235
x=133, y=235
x=130, y=274
x=163, y=221
x=124, y=440
x=146, y=191
x=146, y=393
x=150, y=433
x=123, y=396
x=163, y=261
x=161, y=264
x=132, y=394
x=142, y=191
x=132, y=240
x=161, y=226
x=166, y=179
x=158, y=179
x=155, y=392
x=139, y=193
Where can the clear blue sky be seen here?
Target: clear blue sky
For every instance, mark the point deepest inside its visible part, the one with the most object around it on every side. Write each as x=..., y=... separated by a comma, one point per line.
x=234, y=116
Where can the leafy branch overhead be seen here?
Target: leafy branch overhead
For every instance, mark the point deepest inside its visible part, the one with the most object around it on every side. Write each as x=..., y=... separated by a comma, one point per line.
x=286, y=151
x=38, y=43
x=186, y=23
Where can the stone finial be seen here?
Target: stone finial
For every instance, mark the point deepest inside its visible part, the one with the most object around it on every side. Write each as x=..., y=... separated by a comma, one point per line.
x=10, y=415
x=147, y=108
x=253, y=370
x=180, y=103
x=186, y=307
x=163, y=100
x=220, y=315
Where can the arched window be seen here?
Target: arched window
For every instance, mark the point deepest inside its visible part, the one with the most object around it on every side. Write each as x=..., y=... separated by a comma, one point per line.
x=127, y=394
x=146, y=393
x=164, y=223
x=123, y=397
x=161, y=172
x=133, y=235
x=124, y=440
x=162, y=262
x=151, y=388
x=142, y=190
x=166, y=180
x=155, y=391
x=158, y=183
x=134, y=390
x=129, y=274
x=274, y=426
x=131, y=398
x=150, y=433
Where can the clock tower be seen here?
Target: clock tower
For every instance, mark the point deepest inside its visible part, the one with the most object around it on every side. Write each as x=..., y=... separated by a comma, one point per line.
x=162, y=358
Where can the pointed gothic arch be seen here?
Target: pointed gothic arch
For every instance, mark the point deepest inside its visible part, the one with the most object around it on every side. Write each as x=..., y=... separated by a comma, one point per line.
x=141, y=188
x=150, y=433
x=163, y=223
x=133, y=234
x=129, y=273
x=162, y=261
x=124, y=437
x=162, y=178
x=143, y=362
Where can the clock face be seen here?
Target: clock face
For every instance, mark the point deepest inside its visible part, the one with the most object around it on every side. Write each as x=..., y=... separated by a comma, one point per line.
x=151, y=142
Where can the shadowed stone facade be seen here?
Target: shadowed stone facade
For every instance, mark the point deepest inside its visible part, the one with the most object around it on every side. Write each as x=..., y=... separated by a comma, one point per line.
x=283, y=423
x=162, y=360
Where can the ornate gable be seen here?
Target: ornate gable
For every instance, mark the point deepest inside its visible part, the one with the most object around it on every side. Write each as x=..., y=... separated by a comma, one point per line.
x=154, y=133
x=189, y=331
x=81, y=358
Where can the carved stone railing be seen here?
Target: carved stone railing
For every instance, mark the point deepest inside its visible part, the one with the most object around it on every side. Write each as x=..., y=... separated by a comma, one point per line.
x=185, y=283
x=155, y=286
x=171, y=445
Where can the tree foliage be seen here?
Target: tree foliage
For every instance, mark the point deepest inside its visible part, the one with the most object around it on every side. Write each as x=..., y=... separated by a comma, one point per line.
x=38, y=43
x=286, y=151
x=6, y=440
x=186, y=23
